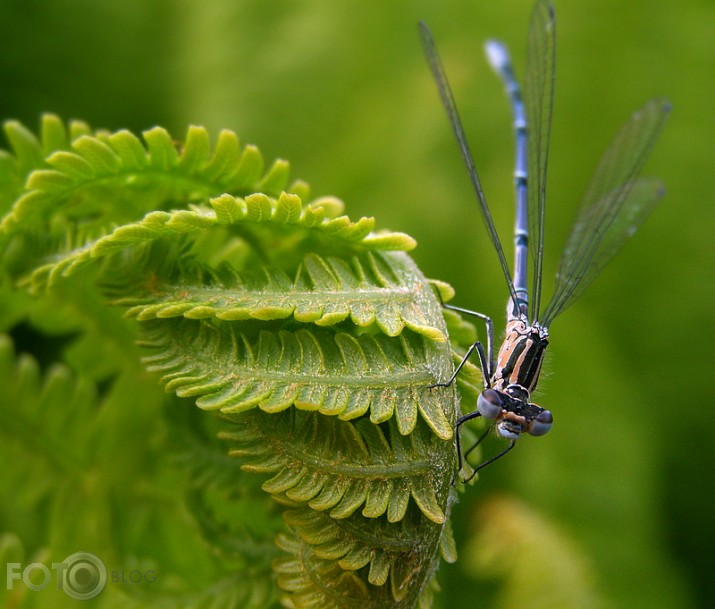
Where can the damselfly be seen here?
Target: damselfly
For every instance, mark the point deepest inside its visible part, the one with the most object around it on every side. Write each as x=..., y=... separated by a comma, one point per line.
x=616, y=203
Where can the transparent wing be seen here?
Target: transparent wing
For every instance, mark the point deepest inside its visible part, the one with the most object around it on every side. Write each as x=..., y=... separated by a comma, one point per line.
x=445, y=93
x=615, y=205
x=539, y=99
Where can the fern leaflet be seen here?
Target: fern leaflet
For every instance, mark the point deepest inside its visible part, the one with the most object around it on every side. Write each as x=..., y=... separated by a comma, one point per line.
x=335, y=374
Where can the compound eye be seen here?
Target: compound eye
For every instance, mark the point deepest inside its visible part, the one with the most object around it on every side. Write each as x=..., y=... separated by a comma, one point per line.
x=542, y=424
x=490, y=404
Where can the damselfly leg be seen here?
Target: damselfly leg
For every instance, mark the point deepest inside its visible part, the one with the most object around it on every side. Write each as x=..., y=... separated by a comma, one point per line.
x=486, y=359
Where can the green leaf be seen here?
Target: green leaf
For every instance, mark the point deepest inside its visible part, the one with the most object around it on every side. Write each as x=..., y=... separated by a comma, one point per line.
x=158, y=171
x=332, y=564
x=345, y=466
x=324, y=292
x=261, y=220
x=336, y=374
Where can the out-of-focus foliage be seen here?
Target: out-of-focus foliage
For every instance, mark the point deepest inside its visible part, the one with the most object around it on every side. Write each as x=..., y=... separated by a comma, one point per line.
x=343, y=91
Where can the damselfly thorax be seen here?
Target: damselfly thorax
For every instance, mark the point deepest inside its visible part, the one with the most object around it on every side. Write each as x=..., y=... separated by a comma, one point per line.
x=520, y=356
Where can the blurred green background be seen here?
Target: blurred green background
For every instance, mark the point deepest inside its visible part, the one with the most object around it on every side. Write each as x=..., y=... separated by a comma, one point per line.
x=341, y=89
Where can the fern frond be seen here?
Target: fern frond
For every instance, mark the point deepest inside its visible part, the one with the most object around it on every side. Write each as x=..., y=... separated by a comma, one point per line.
x=345, y=466
x=333, y=564
x=316, y=336
x=384, y=552
x=372, y=289
x=369, y=506
x=335, y=374
x=140, y=176
x=224, y=512
x=53, y=407
x=191, y=449
x=270, y=225
x=368, y=288
x=28, y=152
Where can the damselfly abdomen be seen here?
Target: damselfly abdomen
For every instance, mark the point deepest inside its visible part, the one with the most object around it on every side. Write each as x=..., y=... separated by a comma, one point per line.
x=616, y=203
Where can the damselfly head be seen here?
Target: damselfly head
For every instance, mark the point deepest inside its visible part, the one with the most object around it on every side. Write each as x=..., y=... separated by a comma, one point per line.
x=513, y=413
x=541, y=424
x=490, y=404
